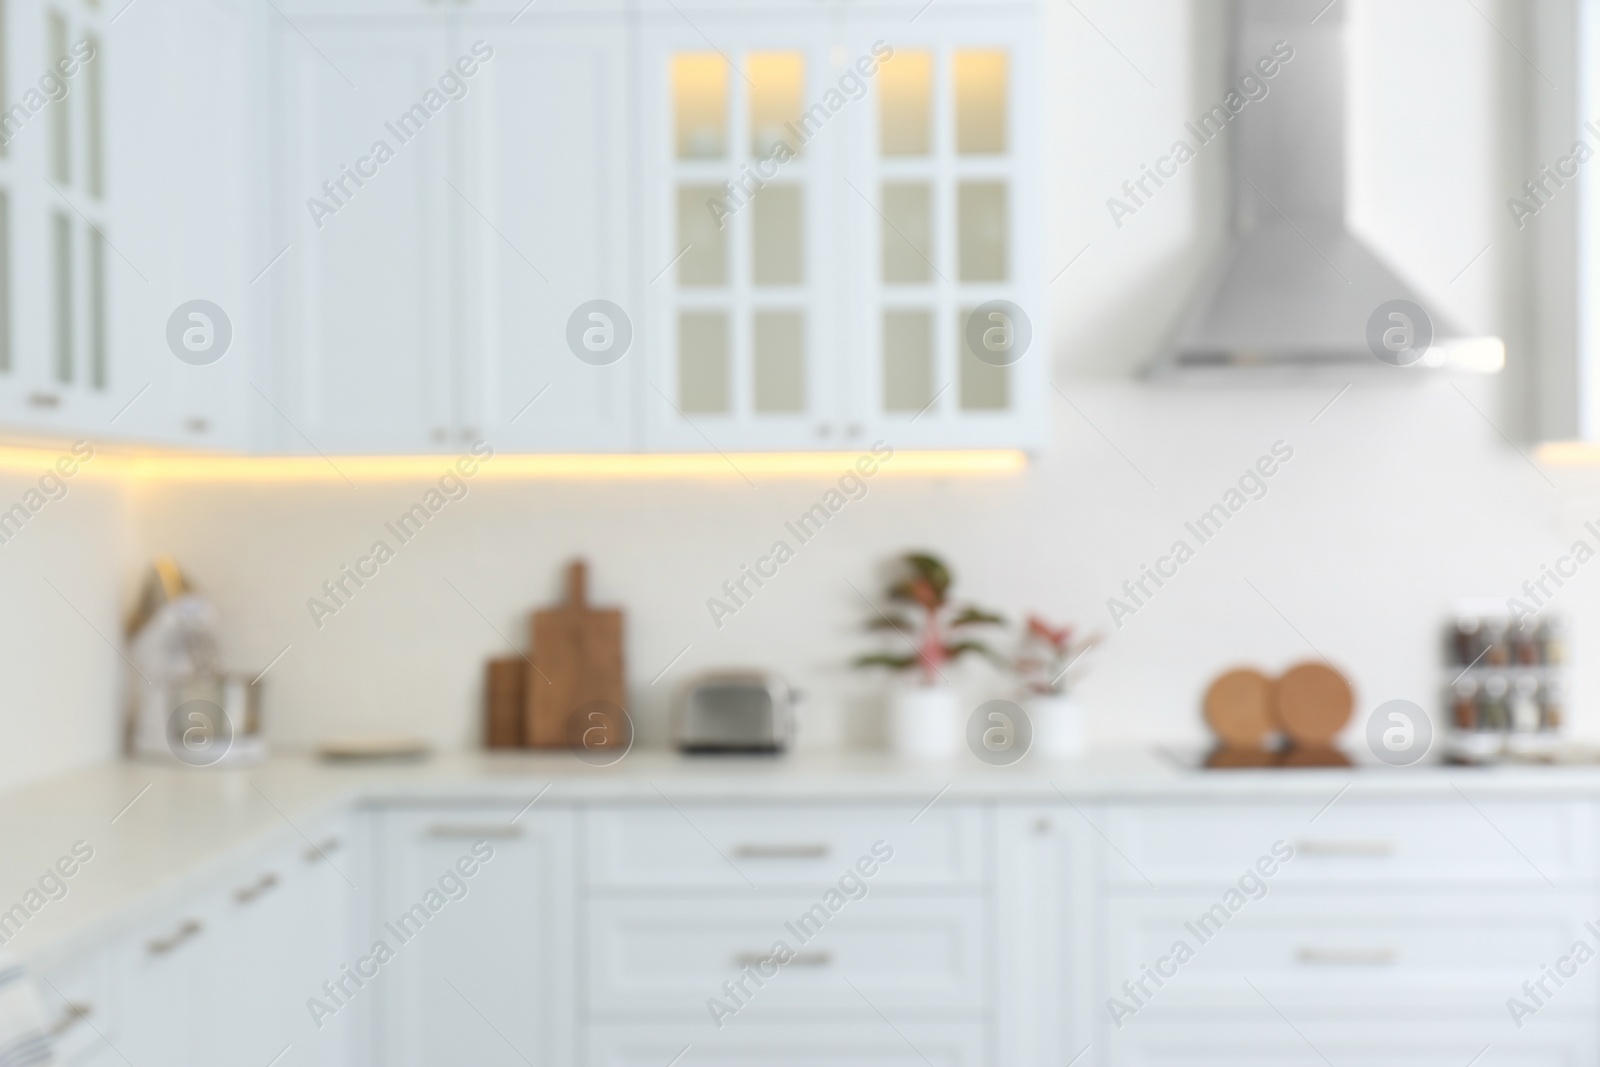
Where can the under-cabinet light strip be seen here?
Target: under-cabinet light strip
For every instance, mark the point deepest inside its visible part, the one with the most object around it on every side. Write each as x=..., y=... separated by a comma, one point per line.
x=214, y=468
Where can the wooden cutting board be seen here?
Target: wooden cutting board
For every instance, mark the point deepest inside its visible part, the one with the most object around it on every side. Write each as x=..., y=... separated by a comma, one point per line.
x=577, y=659
x=507, y=702
x=1238, y=708
x=1314, y=702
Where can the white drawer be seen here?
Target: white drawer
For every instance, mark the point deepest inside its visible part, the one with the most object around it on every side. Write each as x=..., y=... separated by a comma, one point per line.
x=873, y=1044
x=780, y=846
x=1352, y=841
x=1269, y=1041
x=668, y=958
x=1348, y=952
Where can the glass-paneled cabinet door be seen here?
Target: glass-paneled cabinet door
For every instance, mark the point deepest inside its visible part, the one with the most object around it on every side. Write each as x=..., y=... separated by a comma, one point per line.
x=947, y=323
x=56, y=260
x=741, y=248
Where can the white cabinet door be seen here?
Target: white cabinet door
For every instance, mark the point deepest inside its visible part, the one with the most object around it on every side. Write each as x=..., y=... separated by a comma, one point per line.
x=226, y=977
x=1043, y=914
x=544, y=212
x=167, y=988
x=182, y=166
x=56, y=342
x=743, y=246
x=476, y=911
x=80, y=1009
x=945, y=290
x=364, y=191
x=325, y=905
x=917, y=959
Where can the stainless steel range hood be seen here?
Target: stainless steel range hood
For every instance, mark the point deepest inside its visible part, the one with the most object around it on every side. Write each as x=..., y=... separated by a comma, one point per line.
x=1295, y=289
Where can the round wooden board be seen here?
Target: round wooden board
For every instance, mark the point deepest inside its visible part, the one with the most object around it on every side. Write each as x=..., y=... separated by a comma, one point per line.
x=1314, y=703
x=1238, y=708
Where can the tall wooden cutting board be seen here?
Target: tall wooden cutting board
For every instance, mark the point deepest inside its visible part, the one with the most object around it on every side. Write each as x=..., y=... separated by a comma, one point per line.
x=577, y=658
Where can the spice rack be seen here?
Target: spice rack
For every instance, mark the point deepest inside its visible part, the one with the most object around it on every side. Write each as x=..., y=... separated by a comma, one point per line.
x=1505, y=683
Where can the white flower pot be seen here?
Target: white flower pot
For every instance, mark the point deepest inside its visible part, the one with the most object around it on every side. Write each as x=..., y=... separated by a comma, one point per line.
x=1058, y=725
x=925, y=722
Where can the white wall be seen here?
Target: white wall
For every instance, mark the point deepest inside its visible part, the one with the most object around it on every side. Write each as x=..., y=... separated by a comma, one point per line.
x=1398, y=501
x=59, y=708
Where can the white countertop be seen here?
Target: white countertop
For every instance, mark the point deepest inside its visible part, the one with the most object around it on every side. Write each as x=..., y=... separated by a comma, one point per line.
x=189, y=825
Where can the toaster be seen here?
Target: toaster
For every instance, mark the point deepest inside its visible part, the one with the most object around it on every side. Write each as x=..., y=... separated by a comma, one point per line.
x=734, y=711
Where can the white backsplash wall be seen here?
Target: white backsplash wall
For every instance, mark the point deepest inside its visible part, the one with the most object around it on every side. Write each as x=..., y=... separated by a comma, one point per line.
x=1397, y=502
x=62, y=581
x=1394, y=504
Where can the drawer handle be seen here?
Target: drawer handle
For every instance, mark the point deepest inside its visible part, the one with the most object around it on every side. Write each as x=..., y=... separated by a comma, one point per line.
x=44, y=400
x=74, y=1013
x=1374, y=849
x=1346, y=957
x=318, y=853
x=248, y=894
x=160, y=946
x=488, y=832
x=816, y=851
x=799, y=959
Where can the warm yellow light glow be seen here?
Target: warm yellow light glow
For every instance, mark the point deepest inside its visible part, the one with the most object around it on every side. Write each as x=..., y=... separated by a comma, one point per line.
x=777, y=86
x=700, y=96
x=980, y=102
x=905, y=104
x=1569, y=453
x=196, y=468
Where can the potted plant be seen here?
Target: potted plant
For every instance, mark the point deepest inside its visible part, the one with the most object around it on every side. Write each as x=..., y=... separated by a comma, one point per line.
x=1043, y=663
x=925, y=715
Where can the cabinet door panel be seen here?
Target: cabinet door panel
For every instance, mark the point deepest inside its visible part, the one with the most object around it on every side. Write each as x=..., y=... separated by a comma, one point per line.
x=919, y=958
x=368, y=278
x=742, y=240
x=182, y=166
x=545, y=216
x=946, y=155
x=782, y=846
x=480, y=962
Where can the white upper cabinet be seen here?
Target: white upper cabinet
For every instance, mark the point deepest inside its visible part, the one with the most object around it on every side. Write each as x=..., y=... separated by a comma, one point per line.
x=543, y=210
x=56, y=263
x=742, y=237
x=560, y=227
x=185, y=338
x=840, y=220
x=948, y=323
x=364, y=346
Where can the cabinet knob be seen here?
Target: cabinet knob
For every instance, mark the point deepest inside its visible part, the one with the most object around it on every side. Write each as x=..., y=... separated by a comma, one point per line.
x=441, y=434
x=197, y=424
x=160, y=946
x=74, y=1013
x=824, y=429
x=248, y=894
x=1043, y=825
x=318, y=853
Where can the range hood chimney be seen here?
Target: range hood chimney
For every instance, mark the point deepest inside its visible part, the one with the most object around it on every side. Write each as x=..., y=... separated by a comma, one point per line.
x=1295, y=289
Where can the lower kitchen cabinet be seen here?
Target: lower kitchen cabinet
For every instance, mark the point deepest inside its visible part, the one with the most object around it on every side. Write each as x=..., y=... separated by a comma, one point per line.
x=475, y=906
x=417, y=935
x=918, y=957
x=222, y=978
